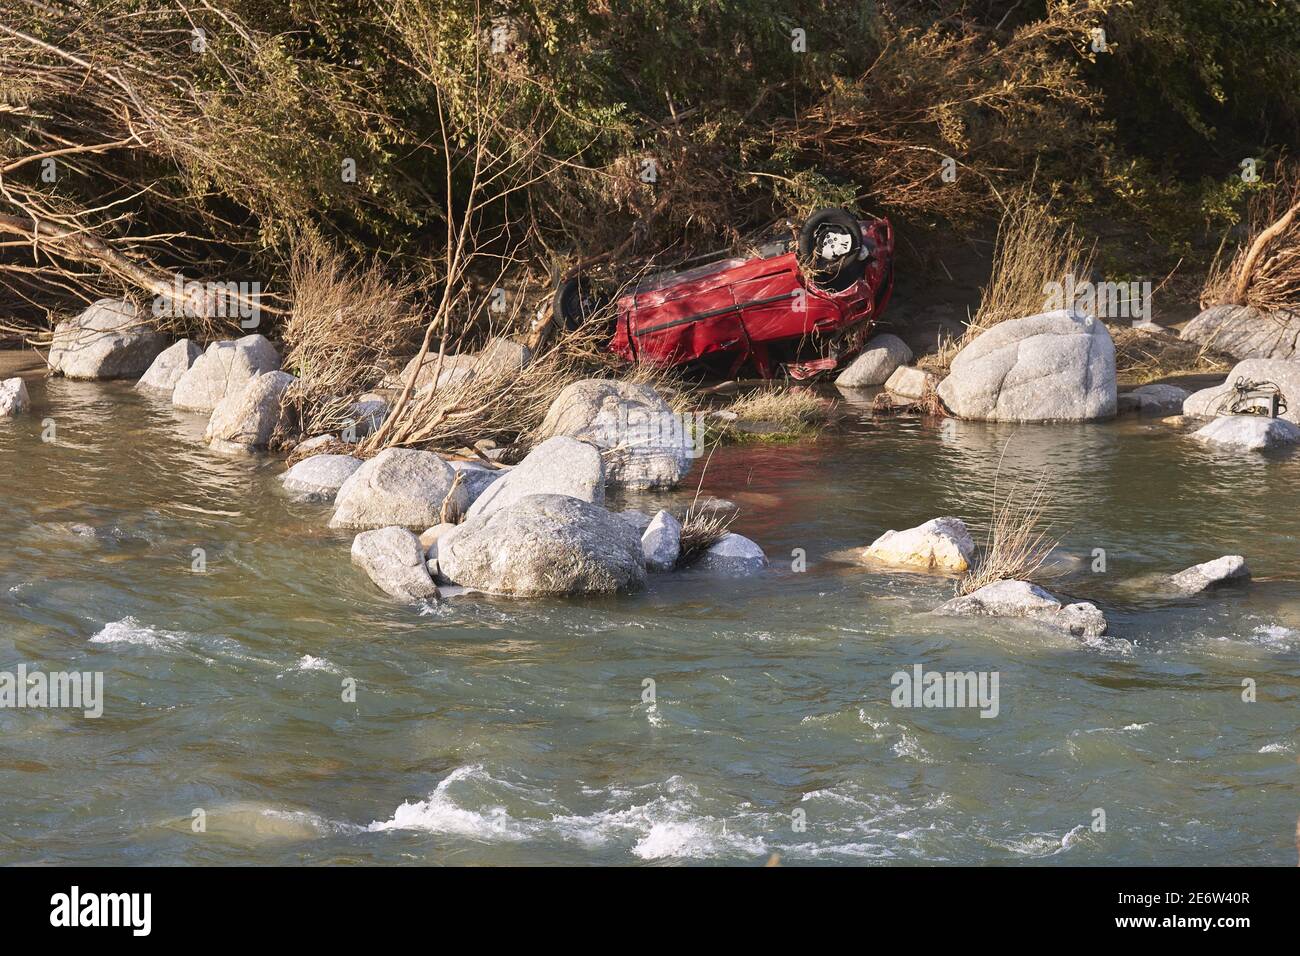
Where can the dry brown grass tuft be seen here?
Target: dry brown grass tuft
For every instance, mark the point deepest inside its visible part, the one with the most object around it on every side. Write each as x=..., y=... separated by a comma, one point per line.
x=1265, y=270
x=1142, y=355
x=784, y=413
x=1033, y=249
x=702, y=528
x=1017, y=542
x=345, y=323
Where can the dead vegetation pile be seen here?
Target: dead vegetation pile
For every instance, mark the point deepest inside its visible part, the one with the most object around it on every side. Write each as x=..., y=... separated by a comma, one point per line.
x=1146, y=355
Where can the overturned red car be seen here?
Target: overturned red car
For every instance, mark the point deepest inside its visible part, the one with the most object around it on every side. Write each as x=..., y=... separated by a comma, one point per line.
x=799, y=305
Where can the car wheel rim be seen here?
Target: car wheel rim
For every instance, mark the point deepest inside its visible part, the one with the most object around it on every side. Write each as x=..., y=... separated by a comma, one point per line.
x=833, y=243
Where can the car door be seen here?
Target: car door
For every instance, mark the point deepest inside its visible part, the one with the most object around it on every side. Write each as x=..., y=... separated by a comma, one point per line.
x=687, y=320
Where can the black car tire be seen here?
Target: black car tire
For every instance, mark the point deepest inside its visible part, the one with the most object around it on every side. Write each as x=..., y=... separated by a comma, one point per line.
x=575, y=302
x=836, y=274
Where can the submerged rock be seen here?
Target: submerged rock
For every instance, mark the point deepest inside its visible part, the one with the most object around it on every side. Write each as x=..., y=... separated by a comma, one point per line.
x=1231, y=568
x=661, y=543
x=732, y=554
x=319, y=477
x=399, y=486
x=167, y=369
x=941, y=544
x=225, y=368
x=558, y=466
x=1218, y=400
x=244, y=421
x=1248, y=433
x=108, y=340
x=544, y=544
x=644, y=443
x=14, y=399
x=1162, y=400
x=395, y=562
x=1023, y=599
x=1245, y=332
x=880, y=358
x=1057, y=366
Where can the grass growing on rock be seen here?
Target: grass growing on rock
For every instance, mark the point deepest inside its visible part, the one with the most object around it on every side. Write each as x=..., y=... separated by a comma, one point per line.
x=774, y=414
x=346, y=321
x=702, y=528
x=1017, y=542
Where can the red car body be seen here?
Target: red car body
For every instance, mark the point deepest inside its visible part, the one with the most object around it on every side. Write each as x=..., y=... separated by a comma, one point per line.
x=762, y=309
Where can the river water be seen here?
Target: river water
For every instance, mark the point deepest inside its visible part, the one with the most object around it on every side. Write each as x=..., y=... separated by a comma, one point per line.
x=498, y=731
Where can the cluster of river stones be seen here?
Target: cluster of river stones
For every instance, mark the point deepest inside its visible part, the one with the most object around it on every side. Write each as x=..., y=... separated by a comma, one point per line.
x=1060, y=367
x=944, y=545
x=541, y=527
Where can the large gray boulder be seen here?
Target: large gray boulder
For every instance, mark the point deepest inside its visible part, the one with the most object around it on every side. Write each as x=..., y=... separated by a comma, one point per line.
x=558, y=466
x=167, y=369
x=732, y=554
x=880, y=358
x=544, y=544
x=395, y=562
x=1057, y=366
x=1023, y=599
x=399, y=486
x=244, y=421
x=1218, y=400
x=645, y=444
x=637, y=519
x=1248, y=433
x=13, y=397
x=1229, y=569
x=108, y=340
x=1245, y=332
x=224, y=369
x=319, y=477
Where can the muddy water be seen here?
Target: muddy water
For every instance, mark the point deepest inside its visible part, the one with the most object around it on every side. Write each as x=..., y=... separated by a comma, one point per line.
x=491, y=731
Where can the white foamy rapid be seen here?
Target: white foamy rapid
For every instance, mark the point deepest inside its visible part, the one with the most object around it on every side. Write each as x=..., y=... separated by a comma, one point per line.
x=130, y=631
x=665, y=825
